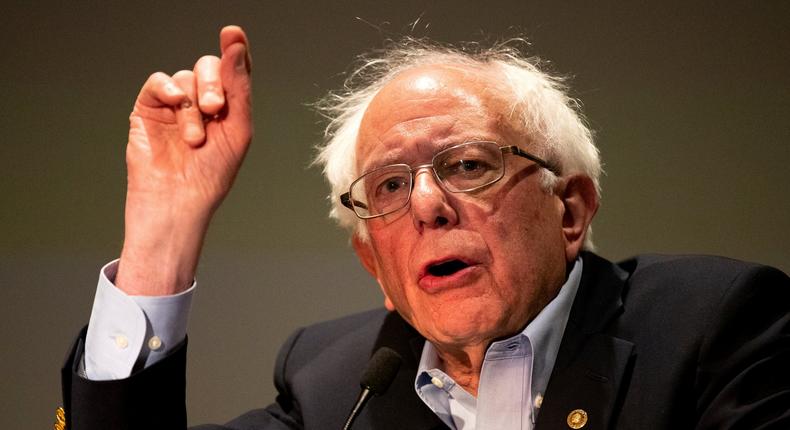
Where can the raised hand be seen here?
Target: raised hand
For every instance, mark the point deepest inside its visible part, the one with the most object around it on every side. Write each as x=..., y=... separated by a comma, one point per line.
x=187, y=138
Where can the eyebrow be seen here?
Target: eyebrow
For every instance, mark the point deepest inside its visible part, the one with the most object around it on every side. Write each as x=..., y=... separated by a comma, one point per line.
x=395, y=156
x=389, y=158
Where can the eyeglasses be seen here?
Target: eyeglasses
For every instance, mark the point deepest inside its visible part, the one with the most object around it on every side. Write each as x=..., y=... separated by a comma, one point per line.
x=460, y=169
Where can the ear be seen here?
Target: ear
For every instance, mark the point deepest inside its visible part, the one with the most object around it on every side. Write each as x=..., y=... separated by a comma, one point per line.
x=367, y=257
x=580, y=202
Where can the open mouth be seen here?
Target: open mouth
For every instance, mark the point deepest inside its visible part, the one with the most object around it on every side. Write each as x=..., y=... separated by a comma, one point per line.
x=446, y=268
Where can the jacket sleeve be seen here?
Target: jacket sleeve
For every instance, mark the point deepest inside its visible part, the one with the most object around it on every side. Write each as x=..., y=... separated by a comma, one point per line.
x=743, y=380
x=154, y=398
x=151, y=398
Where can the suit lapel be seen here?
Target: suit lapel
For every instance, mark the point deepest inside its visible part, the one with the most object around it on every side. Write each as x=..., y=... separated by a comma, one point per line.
x=400, y=407
x=591, y=365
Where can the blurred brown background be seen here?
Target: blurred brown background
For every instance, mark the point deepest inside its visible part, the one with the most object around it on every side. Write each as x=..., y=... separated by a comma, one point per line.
x=690, y=103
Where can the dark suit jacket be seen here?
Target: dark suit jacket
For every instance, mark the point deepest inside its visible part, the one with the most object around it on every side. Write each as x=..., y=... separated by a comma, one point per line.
x=654, y=342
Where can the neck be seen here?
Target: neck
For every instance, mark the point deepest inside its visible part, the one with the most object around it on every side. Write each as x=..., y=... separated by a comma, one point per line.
x=463, y=365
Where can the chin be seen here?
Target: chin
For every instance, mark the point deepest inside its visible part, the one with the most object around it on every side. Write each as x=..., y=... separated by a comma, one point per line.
x=463, y=333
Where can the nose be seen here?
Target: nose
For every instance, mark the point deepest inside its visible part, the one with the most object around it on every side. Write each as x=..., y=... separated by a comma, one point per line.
x=430, y=207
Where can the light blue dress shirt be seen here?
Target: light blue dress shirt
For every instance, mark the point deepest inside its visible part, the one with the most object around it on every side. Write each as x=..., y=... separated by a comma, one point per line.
x=131, y=332
x=514, y=376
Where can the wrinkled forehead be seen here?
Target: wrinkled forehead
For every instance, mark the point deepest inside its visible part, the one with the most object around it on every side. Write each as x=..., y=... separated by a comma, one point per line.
x=425, y=109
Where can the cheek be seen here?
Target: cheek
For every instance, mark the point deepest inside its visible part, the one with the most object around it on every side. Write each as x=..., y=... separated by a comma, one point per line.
x=523, y=235
x=391, y=255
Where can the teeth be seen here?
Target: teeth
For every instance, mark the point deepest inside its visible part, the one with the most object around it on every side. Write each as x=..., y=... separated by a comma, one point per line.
x=447, y=268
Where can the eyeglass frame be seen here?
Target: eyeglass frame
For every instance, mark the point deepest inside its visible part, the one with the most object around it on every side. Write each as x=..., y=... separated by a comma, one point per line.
x=345, y=198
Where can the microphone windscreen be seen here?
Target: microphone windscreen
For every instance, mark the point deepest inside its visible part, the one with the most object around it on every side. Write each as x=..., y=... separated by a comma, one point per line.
x=381, y=370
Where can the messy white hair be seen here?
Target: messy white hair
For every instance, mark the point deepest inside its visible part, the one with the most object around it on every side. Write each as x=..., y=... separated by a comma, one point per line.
x=540, y=107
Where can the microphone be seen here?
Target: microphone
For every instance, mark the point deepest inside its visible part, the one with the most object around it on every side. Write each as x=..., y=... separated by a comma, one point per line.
x=378, y=376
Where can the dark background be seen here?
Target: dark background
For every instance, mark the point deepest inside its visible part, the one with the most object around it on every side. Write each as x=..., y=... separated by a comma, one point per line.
x=690, y=103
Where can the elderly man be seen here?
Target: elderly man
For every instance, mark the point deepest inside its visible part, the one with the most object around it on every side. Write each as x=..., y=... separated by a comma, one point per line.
x=469, y=182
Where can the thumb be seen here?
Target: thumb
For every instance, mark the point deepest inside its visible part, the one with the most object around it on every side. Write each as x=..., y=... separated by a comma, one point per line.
x=237, y=83
x=232, y=34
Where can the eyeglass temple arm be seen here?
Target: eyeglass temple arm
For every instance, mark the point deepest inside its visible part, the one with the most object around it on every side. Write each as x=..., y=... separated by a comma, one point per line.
x=345, y=199
x=515, y=150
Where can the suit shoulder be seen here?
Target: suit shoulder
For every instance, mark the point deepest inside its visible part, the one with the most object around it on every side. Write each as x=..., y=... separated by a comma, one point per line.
x=697, y=269
x=698, y=284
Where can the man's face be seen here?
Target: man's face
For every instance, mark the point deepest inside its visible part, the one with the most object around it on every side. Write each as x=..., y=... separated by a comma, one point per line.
x=463, y=269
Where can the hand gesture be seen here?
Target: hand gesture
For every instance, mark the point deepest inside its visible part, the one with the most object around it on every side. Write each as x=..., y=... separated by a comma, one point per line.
x=188, y=135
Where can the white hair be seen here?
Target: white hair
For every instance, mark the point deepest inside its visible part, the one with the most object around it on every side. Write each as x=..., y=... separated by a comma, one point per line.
x=539, y=105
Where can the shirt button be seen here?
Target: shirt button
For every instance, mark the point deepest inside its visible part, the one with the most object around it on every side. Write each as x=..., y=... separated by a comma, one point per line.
x=538, y=401
x=121, y=341
x=438, y=382
x=154, y=343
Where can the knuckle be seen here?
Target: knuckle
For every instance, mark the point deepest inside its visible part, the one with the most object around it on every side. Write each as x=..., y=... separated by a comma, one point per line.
x=183, y=75
x=157, y=77
x=207, y=69
x=208, y=59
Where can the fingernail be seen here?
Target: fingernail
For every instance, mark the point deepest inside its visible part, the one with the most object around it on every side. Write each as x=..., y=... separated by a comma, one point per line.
x=211, y=98
x=172, y=89
x=194, y=133
x=241, y=62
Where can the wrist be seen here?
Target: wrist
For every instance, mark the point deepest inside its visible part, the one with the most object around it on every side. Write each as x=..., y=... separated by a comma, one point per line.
x=161, y=250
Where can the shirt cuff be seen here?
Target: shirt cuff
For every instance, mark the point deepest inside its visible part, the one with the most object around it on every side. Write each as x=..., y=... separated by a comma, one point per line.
x=127, y=333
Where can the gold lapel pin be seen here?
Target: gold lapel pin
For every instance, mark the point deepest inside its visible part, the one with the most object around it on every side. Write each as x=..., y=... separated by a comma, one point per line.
x=577, y=419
